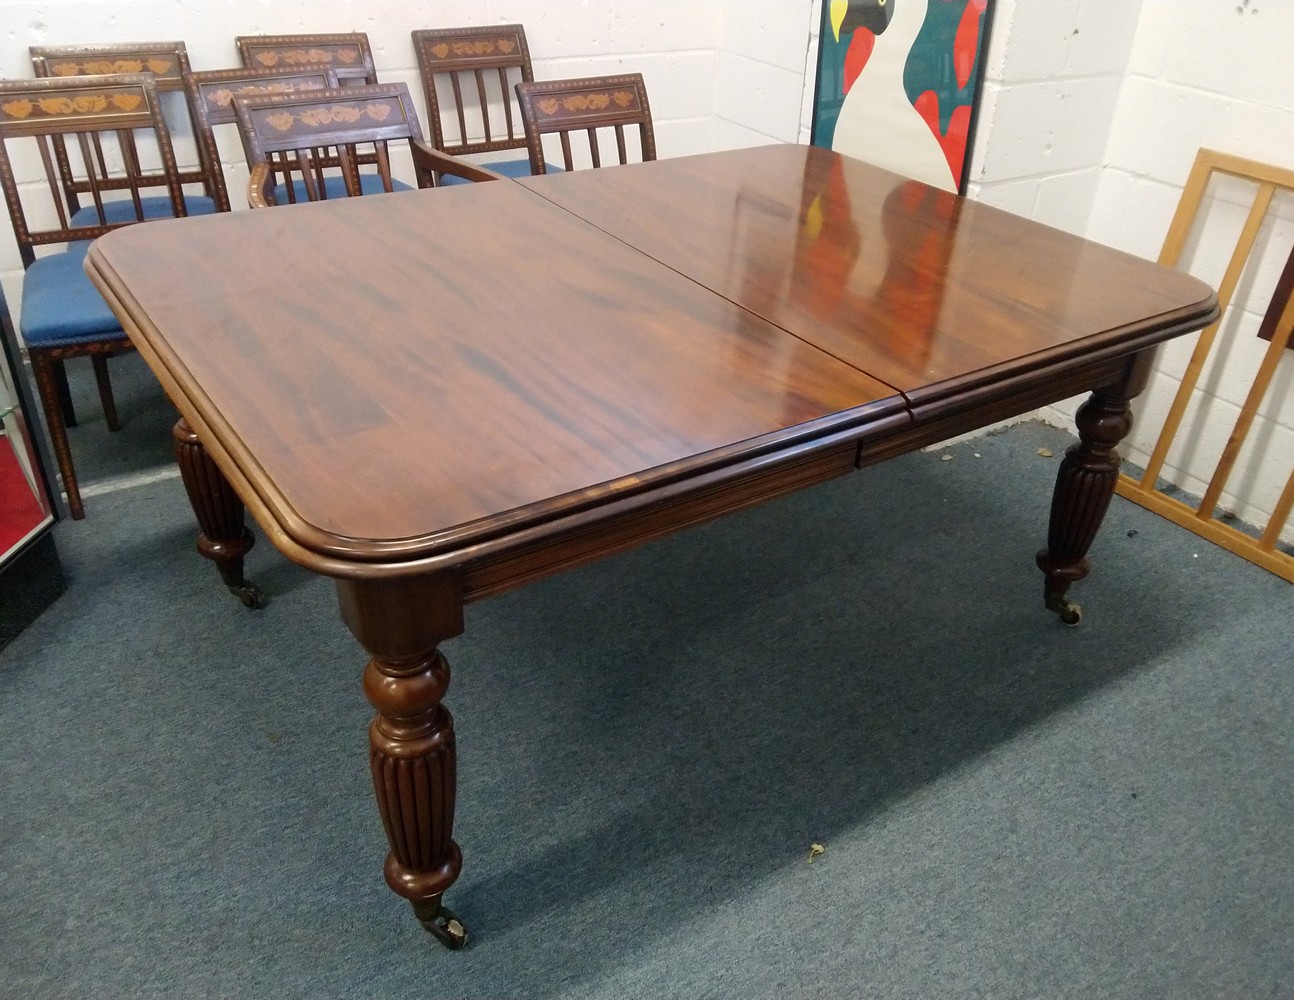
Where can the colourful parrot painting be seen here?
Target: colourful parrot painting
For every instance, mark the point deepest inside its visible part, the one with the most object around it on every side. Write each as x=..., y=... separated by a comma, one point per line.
x=898, y=81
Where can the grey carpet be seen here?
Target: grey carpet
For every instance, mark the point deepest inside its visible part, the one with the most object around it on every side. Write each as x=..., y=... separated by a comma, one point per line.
x=648, y=747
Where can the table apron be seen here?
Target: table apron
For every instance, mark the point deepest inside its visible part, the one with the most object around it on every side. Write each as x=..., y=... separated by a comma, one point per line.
x=962, y=413
x=603, y=531
x=590, y=536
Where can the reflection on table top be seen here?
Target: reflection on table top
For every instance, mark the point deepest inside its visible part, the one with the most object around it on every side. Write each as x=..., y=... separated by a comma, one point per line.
x=416, y=371
x=916, y=286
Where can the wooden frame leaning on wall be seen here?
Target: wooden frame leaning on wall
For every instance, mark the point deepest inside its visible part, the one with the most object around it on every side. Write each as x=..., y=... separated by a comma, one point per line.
x=1210, y=519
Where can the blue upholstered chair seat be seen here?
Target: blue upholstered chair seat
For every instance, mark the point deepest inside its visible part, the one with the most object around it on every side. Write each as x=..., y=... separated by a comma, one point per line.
x=516, y=169
x=155, y=207
x=60, y=305
x=335, y=187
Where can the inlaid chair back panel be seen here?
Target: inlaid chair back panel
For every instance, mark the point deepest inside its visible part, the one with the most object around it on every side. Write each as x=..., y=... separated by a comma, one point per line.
x=211, y=96
x=167, y=62
x=468, y=80
x=106, y=133
x=348, y=54
x=306, y=137
x=609, y=116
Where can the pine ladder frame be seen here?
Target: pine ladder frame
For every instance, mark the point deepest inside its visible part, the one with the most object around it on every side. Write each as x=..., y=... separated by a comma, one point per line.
x=1262, y=550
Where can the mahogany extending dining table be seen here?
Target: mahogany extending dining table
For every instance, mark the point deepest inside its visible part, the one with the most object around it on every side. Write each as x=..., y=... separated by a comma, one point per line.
x=436, y=396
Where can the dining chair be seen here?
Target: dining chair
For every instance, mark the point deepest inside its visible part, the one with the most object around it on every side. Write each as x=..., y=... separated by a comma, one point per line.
x=168, y=62
x=313, y=145
x=347, y=54
x=211, y=102
x=468, y=76
x=586, y=105
x=111, y=131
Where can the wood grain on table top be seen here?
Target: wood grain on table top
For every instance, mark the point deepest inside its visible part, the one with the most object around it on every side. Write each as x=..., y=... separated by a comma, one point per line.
x=413, y=365
x=917, y=287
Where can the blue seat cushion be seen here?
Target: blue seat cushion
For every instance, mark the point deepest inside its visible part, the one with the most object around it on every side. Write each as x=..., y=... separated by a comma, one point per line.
x=155, y=207
x=60, y=305
x=516, y=169
x=335, y=187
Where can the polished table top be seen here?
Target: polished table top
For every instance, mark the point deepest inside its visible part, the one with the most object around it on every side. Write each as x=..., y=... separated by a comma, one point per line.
x=921, y=289
x=386, y=379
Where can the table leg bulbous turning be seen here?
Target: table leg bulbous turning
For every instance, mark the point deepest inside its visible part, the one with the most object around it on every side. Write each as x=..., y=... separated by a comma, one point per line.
x=411, y=740
x=223, y=536
x=1084, y=487
x=414, y=765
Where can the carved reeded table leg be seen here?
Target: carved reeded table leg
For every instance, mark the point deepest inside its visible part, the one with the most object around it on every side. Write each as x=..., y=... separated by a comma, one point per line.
x=223, y=536
x=1085, y=485
x=401, y=622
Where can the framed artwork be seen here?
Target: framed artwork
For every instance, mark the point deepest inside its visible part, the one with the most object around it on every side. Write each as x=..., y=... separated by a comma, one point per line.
x=899, y=81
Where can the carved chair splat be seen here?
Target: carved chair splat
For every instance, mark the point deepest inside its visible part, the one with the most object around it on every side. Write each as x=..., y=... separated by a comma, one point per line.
x=211, y=101
x=168, y=63
x=586, y=105
x=347, y=54
x=468, y=79
x=312, y=145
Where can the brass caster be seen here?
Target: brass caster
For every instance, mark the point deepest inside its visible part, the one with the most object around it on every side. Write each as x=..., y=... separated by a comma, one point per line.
x=446, y=928
x=249, y=594
x=1069, y=612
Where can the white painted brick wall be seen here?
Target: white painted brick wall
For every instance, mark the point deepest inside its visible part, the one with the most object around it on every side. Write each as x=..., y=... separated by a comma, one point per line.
x=1053, y=79
x=1047, y=127
x=763, y=99
x=810, y=72
x=766, y=65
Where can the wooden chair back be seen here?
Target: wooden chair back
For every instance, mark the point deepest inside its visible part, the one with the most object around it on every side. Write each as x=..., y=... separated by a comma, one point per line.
x=102, y=132
x=347, y=54
x=302, y=139
x=588, y=105
x=167, y=62
x=211, y=96
x=468, y=80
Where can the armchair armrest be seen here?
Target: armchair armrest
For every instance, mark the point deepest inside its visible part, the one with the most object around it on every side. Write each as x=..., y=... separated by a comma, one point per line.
x=260, y=187
x=430, y=163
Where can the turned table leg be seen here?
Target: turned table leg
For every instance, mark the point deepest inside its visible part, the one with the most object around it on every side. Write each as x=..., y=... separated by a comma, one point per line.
x=411, y=740
x=223, y=536
x=1085, y=484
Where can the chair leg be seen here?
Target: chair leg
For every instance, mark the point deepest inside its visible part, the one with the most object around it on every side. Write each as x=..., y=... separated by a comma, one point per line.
x=100, y=362
x=64, y=394
x=46, y=371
